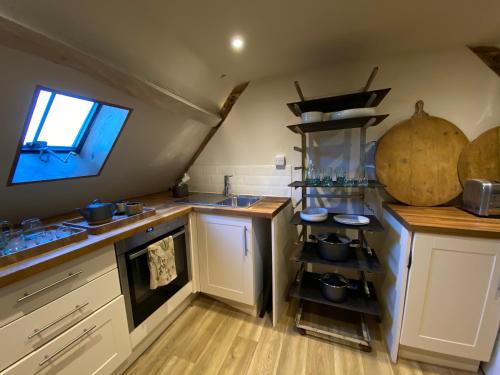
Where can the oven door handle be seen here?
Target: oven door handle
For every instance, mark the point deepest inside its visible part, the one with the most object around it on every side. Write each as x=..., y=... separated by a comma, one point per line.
x=144, y=251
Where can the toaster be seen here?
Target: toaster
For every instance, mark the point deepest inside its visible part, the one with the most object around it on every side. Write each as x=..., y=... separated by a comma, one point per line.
x=482, y=197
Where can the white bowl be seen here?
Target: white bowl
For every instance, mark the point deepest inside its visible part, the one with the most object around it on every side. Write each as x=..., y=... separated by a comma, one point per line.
x=313, y=116
x=352, y=219
x=350, y=113
x=314, y=214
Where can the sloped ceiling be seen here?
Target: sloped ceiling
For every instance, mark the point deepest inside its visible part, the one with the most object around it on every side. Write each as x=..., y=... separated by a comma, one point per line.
x=183, y=46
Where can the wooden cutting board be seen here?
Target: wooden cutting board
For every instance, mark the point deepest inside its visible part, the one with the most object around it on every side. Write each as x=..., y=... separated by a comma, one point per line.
x=481, y=157
x=417, y=159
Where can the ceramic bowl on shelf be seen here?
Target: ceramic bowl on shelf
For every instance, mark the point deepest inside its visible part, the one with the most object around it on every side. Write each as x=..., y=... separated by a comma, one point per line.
x=350, y=113
x=312, y=116
x=314, y=214
x=352, y=219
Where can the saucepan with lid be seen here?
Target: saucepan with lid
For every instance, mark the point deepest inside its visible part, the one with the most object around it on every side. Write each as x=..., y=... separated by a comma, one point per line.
x=332, y=246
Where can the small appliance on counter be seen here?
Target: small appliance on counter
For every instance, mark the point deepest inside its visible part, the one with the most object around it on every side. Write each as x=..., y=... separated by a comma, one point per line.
x=482, y=197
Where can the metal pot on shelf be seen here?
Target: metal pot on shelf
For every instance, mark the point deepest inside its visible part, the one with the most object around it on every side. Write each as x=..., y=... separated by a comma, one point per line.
x=334, y=286
x=332, y=246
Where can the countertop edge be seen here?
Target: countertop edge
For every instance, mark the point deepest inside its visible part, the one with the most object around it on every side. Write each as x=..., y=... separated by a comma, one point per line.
x=458, y=231
x=32, y=266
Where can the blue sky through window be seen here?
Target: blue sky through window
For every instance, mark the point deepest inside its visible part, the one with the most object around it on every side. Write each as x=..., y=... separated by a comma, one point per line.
x=58, y=119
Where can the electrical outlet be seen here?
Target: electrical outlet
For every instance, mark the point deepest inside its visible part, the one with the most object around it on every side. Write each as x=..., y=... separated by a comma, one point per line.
x=279, y=161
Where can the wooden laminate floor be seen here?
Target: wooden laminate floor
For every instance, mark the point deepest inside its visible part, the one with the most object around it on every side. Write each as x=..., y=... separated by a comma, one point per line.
x=211, y=338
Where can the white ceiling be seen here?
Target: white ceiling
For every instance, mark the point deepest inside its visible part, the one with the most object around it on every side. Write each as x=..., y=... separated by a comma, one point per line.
x=184, y=45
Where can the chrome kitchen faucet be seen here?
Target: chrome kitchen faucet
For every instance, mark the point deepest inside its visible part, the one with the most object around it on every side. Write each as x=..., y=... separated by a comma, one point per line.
x=227, y=185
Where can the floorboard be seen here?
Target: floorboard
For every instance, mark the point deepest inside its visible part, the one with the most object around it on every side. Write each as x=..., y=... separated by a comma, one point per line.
x=211, y=338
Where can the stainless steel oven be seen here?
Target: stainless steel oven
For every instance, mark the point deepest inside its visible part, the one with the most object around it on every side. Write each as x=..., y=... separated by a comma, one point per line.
x=132, y=256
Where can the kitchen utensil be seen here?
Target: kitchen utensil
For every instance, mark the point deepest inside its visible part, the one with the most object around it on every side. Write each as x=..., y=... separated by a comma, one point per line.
x=134, y=208
x=334, y=286
x=31, y=228
x=351, y=113
x=332, y=246
x=417, y=159
x=97, y=212
x=120, y=207
x=351, y=219
x=315, y=214
x=482, y=197
x=480, y=159
x=312, y=116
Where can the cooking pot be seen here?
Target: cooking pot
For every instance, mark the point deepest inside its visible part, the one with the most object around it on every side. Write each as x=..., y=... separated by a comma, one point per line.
x=98, y=212
x=334, y=286
x=332, y=246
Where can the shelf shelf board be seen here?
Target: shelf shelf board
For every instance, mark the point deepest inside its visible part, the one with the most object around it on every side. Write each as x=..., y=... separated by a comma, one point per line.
x=333, y=324
x=348, y=123
x=309, y=289
x=371, y=185
x=373, y=226
x=359, y=259
x=360, y=99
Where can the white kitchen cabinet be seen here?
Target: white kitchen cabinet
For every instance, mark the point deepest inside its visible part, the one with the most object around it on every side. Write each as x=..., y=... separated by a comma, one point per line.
x=34, y=330
x=226, y=257
x=96, y=345
x=452, y=302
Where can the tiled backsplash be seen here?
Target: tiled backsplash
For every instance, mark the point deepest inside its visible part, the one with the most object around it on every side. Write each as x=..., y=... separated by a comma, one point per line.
x=247, y=179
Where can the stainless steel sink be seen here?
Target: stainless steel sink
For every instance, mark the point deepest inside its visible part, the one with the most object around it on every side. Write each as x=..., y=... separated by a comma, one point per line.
x=241, y=201
x=206, y=199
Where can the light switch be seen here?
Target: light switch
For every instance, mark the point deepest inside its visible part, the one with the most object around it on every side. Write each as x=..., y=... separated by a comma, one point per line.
x=279, y=161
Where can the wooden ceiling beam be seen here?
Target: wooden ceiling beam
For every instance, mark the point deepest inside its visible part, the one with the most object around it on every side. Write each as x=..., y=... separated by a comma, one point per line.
x=19, y=37
x=490, y=56
x=224, y=112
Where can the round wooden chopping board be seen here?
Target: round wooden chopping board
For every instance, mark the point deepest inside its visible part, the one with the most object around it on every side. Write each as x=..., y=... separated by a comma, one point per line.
x=417, y=159
x=481, y=157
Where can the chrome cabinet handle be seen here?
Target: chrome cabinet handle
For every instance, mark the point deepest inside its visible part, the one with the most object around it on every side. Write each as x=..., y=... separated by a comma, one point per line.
x=144, y=251
x=245, y=248
x=37, y=331
x=28, y=295
x=78, y=338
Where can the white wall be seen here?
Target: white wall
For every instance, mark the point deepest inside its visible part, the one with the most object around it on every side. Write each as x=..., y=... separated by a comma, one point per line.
x=152, y=150
x=454, y=84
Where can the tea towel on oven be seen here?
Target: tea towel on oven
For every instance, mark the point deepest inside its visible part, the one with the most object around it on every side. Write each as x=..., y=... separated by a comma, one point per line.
x=161, y=262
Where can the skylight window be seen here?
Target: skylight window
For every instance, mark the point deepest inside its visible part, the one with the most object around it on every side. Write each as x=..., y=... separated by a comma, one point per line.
x=59, y=120
x=66, y=136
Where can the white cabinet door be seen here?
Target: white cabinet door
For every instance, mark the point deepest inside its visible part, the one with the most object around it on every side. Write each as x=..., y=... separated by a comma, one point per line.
x=452, y=302
x=96, y=345
x=226, y=257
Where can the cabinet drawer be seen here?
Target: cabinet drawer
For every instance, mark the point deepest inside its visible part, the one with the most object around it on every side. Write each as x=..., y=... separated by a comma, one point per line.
x=96, y=345
x=32, y=331
x=21, y=298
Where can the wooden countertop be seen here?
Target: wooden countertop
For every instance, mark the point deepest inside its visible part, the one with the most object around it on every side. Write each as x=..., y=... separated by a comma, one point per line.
x=444, y=220
x=166, y=209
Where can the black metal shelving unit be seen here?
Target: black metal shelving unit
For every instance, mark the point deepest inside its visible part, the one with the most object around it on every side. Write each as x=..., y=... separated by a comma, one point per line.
x=314, y=313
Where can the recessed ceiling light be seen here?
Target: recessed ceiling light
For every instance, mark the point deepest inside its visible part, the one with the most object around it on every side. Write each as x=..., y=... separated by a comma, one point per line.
x=237, y=43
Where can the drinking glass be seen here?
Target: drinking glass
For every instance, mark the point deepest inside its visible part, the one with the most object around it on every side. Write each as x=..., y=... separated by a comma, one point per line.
x=5, y=229
x=16, y=243
x=326, y=178
x=31, y=228
x=341, y=176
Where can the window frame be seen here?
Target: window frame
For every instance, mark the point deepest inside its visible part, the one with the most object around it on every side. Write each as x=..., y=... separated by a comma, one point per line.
x=80, y=138
x=30, y=110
